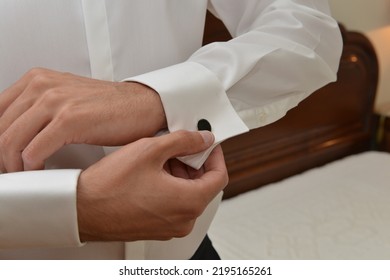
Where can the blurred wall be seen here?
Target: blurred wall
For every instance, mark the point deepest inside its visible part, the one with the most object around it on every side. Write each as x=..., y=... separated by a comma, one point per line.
x=362, y=15
x=371, y=17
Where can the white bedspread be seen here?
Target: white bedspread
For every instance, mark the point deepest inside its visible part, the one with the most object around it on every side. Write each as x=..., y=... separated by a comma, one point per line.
x=338, y=211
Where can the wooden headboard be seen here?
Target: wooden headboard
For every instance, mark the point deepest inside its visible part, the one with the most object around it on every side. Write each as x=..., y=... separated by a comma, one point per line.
x=333, y=122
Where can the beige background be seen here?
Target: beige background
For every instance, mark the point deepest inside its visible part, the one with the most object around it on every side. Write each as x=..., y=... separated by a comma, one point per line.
x=371, y=17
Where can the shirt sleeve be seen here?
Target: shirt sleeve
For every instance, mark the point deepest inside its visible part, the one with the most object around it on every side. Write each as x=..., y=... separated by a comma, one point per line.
x=282, y=51
x=38, y=209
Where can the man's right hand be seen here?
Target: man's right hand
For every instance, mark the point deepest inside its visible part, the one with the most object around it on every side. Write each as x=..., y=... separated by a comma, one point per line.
x=141, y=192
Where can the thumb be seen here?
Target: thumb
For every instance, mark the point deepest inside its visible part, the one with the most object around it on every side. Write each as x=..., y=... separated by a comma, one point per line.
x=182, y=143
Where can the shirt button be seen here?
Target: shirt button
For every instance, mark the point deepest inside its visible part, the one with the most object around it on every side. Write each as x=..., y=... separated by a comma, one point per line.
x=204, y=124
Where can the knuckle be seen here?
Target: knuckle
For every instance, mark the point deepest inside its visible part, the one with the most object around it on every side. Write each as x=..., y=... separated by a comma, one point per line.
x=160, y=144
x=147, y=142
x=61, y=121
x=183, y=224
x=38, y=80
x=156, y=146
x=152, y=146
x=184, y=135
x=225, y=179
x=194, y=209
x=147, y=146
x=49, y=98
x=36, y=71
x=28, y=156
x=64, y=117
x=30, y=159
x=184, y=229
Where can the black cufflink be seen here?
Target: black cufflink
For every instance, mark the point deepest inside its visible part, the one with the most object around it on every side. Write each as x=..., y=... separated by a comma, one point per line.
x=204, y=125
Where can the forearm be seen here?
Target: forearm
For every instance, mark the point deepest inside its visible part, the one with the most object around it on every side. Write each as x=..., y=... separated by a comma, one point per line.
x=282, y=51
x=145, y=108
x=70, y=109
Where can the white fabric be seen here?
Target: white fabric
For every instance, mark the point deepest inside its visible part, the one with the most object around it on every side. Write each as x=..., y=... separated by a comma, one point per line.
x=20, y=216
x=339, y=211
x=258, y=70
x=98, y=39
x=200, y=82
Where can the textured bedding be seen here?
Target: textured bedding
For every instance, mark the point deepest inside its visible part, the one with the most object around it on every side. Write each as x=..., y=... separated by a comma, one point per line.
x=338, y=211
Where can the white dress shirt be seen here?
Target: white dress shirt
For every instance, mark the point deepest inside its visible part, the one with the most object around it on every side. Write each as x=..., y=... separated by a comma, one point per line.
x=283, y=50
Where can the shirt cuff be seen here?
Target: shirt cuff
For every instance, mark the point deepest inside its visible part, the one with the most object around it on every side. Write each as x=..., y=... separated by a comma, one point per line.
x=38, y=209
x=189, y=93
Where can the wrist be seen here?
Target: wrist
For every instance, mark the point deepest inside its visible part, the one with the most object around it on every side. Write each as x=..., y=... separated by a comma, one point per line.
x=85, y=217
x=149, y=107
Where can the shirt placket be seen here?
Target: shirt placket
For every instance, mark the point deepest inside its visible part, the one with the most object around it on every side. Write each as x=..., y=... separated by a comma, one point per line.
x=98, y=39
x=99, y=48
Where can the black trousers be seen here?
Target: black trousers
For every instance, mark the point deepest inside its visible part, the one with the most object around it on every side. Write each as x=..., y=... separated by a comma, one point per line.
x=206, y=251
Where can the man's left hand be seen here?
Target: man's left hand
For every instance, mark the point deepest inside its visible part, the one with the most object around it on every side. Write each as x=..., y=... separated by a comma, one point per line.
x=46, y=110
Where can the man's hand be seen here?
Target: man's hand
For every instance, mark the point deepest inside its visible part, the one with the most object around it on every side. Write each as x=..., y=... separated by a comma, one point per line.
x=138, y=193
x=46, y=110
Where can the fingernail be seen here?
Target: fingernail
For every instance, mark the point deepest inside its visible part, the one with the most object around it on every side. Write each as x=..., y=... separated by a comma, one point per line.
x=207, y=136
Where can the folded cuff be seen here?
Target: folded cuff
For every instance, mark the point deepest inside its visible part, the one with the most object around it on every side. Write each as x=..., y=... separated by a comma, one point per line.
x=189, y=93
x=38, y=209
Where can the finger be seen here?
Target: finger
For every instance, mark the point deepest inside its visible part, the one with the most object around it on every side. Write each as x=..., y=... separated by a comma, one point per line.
x=13, y=112
x=210, y=183
x=215, y=178
x=23, y=95
x=178, y=169
x=11, y=160
x=2, y=168
x=8, y=96
x=43, y=145
x=18, y=136
x=215, y=161
x=198, y=193
x=181, y=143
x=194, y=173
